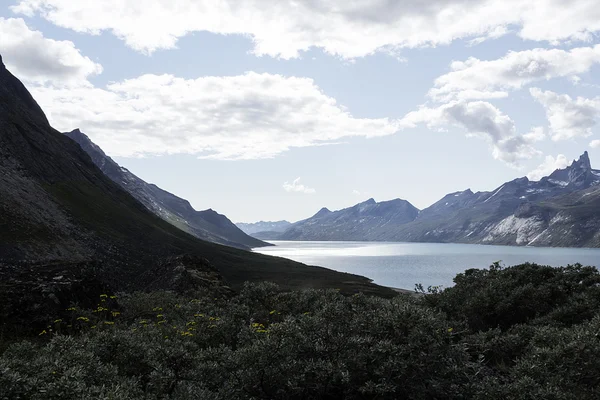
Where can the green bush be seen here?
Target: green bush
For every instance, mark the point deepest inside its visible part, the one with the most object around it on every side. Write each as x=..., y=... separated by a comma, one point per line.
x=520, y=332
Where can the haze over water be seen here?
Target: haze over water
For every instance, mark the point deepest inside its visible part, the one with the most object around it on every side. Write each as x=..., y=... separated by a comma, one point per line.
x=402, y=265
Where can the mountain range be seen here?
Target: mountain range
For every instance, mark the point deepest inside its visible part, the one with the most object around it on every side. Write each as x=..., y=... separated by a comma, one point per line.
x=68, y=232
x=562, y=209
x=264, y=226
x=206, y=225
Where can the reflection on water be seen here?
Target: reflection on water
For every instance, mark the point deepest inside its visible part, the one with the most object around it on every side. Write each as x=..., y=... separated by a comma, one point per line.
x=404, y=264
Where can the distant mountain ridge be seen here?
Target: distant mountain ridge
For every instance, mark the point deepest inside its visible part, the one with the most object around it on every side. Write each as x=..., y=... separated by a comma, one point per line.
x=562, y=209
x=264, y=226
x=368, y=220
x=206, y=225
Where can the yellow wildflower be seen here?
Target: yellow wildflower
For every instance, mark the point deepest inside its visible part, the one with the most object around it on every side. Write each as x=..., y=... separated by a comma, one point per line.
x=84, y=319
x=43, y=332
x=109, y=323
x=103, y=296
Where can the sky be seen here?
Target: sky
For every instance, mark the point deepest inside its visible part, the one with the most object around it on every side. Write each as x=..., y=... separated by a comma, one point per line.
x=273, y=109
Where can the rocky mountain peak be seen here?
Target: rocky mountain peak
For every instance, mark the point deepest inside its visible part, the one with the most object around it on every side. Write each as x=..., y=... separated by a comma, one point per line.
x=578, y=174
x=1, y=63
x=583, y=162
x=323, y=211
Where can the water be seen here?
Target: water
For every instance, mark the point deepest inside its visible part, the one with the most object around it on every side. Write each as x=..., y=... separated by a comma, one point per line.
x=402, y=265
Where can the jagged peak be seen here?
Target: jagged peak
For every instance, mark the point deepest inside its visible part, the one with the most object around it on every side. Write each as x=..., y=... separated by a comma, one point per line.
x=1, y=63
x=368, y=202
x=583, y=161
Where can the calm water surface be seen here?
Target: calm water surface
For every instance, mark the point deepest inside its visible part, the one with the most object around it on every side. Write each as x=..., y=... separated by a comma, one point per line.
x=402, y=265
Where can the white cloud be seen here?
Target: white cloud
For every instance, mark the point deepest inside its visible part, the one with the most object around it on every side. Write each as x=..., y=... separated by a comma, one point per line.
x=569, y=118
x=356, y=192
x=480, y=79
x=496, y=33
x=481, y=119
x=549, y=165
x=535, y=135
x=296, y=186
x=34, y=58
x=249, y=116
x=595, y=143
x=283, y=28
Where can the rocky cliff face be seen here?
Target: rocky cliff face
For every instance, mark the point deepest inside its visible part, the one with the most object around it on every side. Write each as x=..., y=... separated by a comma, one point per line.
x=519, y=212
x=206, y=225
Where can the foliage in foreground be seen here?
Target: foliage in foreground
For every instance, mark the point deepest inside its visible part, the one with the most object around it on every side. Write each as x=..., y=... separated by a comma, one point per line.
x=521, y=332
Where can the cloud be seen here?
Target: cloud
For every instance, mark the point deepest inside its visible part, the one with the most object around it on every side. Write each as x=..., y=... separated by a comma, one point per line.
x=479, y=79
x=569, y=118
x=535, y=135
x=296, y=186
x=595, y=144
x=549, y=165
x=349, y=29
x=356, y=192
x=249, y=116
x=496, y=33
x=480, y=119
x=34, y=58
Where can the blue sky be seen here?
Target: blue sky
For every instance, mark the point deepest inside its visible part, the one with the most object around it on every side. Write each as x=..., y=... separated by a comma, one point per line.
x=271, y=110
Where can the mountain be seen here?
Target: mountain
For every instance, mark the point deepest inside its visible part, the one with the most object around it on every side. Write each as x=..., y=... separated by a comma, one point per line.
x=365, y=221
x=207, y=225
x=68, y=232
x=263, y=226
x=519, y=212
x=562, y=209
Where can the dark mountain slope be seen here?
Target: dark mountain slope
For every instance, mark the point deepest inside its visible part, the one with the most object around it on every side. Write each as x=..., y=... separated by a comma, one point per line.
x=206, y=225
x=65, y=225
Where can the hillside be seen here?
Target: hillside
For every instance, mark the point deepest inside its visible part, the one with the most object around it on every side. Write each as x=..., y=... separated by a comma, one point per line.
x=67, y=231
x=206, y=225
